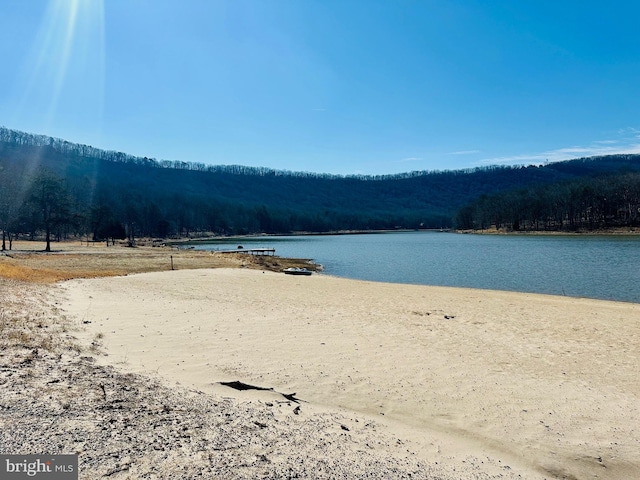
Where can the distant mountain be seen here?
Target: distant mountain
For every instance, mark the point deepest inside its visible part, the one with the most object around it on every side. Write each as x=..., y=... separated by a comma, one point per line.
x=153, y=198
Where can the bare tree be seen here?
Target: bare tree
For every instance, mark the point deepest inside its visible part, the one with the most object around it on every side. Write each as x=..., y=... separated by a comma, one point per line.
x=11, y=197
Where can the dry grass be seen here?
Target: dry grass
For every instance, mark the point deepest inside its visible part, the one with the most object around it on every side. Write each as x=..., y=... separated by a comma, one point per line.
x=13, y=271
x=24, y=273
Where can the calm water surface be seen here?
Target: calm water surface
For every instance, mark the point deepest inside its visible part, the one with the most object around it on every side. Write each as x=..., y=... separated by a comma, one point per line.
x=605, y=267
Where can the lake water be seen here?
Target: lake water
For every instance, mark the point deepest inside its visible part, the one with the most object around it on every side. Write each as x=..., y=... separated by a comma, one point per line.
x=604, y=267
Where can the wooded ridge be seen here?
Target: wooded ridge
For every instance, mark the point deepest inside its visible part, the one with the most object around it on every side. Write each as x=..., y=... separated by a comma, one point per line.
x=57, y=188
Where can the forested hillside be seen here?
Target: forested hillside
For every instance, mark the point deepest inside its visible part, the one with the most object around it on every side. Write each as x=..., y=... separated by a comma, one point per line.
x=51, y=186
x=584, y=204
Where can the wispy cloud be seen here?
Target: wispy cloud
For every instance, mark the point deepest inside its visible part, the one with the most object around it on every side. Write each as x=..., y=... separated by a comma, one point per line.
x=629, y=144
x=629, y=131
x=409, y=159
x=464, y=152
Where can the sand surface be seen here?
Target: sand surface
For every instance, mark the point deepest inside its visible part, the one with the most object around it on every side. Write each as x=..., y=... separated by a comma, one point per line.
x=517, y=384
x=56, y=399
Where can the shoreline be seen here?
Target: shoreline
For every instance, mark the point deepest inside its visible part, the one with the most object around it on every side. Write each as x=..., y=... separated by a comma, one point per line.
x=394, y=381
x=609, y=232
x=176, y=242
x=568, y=278
x=586, y=233
x=500, y=373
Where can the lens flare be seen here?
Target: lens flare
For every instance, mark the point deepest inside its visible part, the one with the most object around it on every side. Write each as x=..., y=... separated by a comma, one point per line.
x=63, y=79
x=65, y=71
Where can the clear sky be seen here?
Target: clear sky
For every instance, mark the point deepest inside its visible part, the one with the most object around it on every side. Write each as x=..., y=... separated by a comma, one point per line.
x=336, y=86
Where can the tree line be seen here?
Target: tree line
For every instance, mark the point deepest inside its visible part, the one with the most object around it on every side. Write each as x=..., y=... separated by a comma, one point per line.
x=57, y=189
x=64, y=147
x=586, y=204
x=38, y=202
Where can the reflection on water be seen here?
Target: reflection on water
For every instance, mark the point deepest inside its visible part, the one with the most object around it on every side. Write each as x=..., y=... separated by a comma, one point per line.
x=605, y=267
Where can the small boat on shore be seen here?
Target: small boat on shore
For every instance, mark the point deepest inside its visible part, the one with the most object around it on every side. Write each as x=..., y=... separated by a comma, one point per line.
x=297, y=271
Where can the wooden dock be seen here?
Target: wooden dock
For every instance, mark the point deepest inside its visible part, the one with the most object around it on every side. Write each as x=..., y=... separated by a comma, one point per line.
x=251, y=251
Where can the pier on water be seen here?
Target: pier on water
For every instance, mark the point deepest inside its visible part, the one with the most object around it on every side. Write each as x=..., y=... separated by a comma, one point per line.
x=251, y=251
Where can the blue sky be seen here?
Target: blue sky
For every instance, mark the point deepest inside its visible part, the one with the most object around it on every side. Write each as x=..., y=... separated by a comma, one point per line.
x=336, y=86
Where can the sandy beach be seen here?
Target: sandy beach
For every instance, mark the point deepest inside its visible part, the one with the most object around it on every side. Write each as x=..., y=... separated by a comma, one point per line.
x=110, y=354
x=478, y=384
